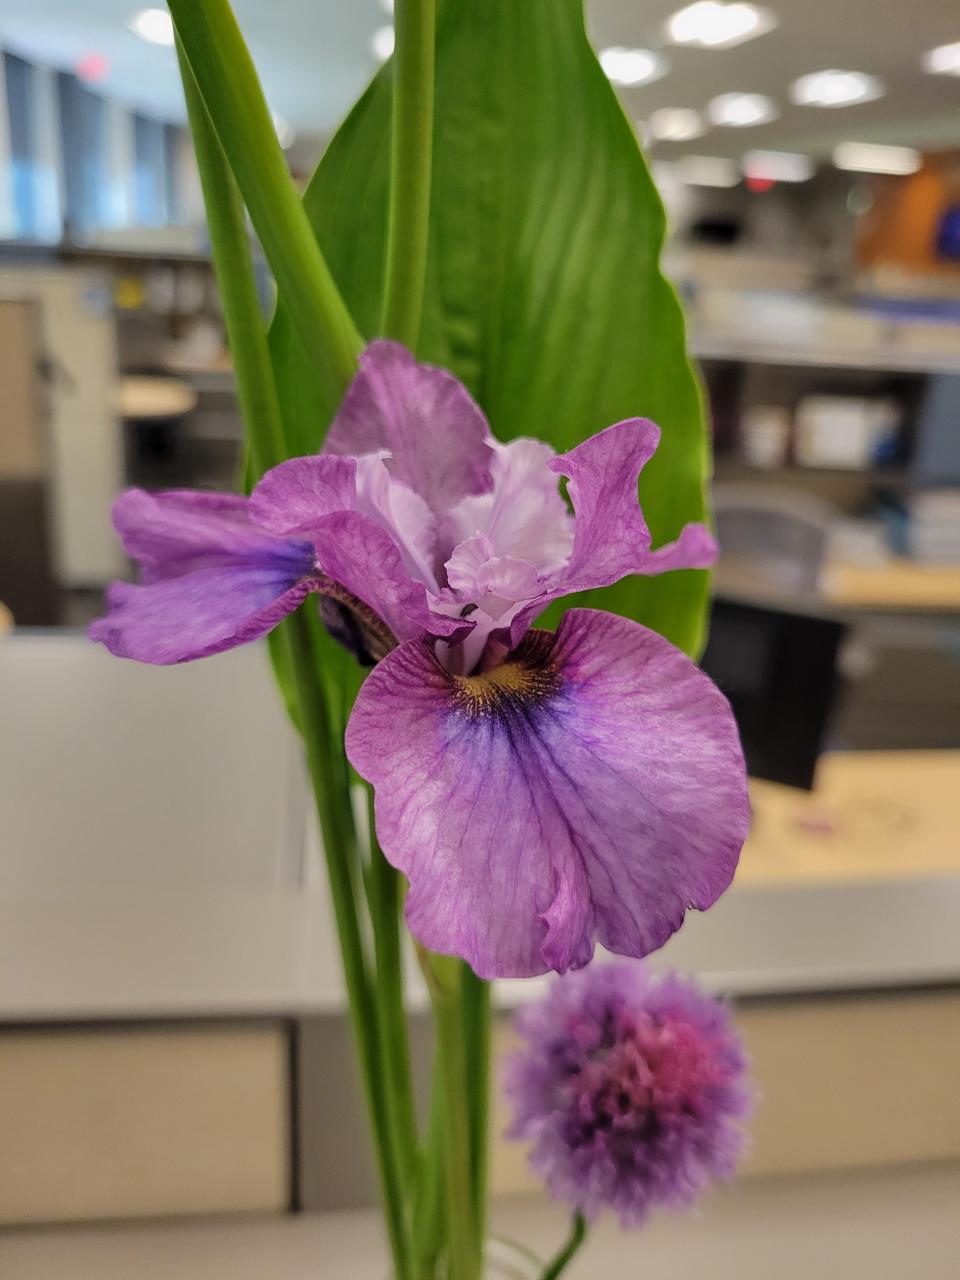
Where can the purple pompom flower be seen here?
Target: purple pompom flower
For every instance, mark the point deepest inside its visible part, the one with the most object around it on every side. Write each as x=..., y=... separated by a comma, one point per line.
x=632, y=1090
x=541, y=791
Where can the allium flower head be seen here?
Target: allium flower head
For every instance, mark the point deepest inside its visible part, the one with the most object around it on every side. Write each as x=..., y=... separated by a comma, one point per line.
x=541, y=791
x=631, y=1088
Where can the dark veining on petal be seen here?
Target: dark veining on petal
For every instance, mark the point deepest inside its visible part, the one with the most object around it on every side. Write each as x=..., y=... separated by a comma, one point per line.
x=353, y=623
x=525, y=680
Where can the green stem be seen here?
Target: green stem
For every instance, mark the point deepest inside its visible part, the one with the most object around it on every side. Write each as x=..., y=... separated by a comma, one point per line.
x=228, y=84
x=428, y=1213
x=444, y=977
x=476, y=1030
x=384, y=898
x=411, y=158
x=336, y=825
x=259, y=405
x=578, y=1233
x=233, y=265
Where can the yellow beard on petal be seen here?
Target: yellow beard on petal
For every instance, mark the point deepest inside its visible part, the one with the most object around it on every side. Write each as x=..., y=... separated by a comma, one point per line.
x=516, y=683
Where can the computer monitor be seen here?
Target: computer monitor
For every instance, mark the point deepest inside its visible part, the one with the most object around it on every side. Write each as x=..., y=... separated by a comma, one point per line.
x=778, y=668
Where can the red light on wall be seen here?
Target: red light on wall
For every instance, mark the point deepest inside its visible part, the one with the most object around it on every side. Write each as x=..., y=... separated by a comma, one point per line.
x=92, y=68
x=759, y=185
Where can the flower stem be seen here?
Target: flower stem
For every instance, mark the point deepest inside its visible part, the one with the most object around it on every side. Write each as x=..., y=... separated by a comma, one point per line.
x=444, y=978
x=411, y=160
x=233, y=265
x=476, y=1032
x=336, y=825
x=578, y=1233
x=428, y=1214
x=384, y=899
x=228, y=84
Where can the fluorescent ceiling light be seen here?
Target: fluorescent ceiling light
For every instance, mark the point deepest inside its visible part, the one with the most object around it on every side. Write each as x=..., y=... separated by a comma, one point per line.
x=739, y=110
x=632, y=66
x=713, y=25
x=836, y=89
x=871, y=157
x=777, y=166
x=675, y=124
x=153, y=25
x=386, y=6
x=382, y=42
x=944, y=60
x=707, y=171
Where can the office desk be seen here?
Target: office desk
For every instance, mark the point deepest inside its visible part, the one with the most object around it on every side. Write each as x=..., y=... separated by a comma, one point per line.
x=898, y=584
x=150, y=398
x=873, y=816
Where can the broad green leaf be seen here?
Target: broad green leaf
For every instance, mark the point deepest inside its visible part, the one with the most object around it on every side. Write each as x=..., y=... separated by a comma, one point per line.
x=544, y=292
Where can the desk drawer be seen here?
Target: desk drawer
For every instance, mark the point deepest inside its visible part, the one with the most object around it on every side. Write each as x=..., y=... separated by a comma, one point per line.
x=121, y=1123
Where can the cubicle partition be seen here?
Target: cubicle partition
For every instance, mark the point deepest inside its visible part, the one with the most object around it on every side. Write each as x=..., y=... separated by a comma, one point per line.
x=169, y=978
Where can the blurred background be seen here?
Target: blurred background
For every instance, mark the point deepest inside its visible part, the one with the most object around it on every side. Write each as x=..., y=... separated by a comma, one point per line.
x=173, y=1044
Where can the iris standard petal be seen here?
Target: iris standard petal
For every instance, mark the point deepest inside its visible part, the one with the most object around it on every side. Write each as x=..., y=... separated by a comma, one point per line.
x=611, y=537
x=590, y=789
x=294, y=495
x=427, y=421
x=202, y=612
x=362, y=561
x=178, y=531
x=696, y=548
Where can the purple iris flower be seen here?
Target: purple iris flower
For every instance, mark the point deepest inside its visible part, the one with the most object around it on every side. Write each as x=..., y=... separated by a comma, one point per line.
x=541, y=791
x=631, y=1089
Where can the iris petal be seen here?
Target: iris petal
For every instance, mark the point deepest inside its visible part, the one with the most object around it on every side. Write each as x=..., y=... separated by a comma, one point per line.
x=180, y=530
x=589, y=790
x=363, y=559
x=294, y=495
x=200, y=613
x=611, y=537
x=427, y=421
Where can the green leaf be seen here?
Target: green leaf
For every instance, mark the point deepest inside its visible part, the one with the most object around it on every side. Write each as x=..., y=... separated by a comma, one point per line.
x=226, y=81
x=544, y=292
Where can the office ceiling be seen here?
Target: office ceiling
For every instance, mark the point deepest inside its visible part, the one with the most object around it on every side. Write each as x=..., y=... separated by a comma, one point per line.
x=314, y=57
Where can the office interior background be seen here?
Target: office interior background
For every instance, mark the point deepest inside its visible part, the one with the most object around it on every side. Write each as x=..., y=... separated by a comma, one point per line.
x=177, y=1094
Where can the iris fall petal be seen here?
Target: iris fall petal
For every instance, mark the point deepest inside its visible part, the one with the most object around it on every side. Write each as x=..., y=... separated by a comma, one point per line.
x=590, y=789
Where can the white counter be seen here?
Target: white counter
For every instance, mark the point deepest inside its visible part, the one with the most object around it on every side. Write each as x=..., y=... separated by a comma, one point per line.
x=154, y=861
x=231, y=952
x=884, y=1225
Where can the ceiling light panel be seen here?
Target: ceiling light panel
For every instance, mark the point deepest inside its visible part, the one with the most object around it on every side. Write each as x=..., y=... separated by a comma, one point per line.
x=778, y=166
x=710, y=24
x=153, y=25
x=835, y=89
x=740, y=110
x=870, y=157
x=632, y=67
x=943, y=61
x=675, y=124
